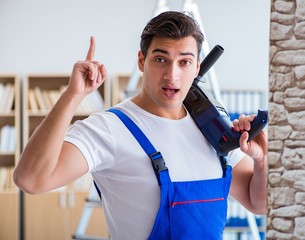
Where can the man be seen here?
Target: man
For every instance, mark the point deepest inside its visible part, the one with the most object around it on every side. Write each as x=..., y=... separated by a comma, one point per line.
x=192, y=184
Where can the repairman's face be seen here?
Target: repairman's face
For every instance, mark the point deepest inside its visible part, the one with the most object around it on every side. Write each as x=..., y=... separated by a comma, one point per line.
x=168, y=71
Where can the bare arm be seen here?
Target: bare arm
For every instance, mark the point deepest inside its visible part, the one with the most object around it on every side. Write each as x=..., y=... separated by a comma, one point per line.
x=249, y=182
x=47, y=162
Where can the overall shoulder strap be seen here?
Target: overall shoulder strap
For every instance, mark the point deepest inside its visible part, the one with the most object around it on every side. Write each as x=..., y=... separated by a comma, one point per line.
x=135, y=130
x=223, y=161
x=155, y=156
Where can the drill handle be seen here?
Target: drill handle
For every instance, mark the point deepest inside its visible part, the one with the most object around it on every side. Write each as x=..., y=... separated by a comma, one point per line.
x=258, y=124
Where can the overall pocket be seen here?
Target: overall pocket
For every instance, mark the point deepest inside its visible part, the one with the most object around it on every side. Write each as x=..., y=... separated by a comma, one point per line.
x=197, y=210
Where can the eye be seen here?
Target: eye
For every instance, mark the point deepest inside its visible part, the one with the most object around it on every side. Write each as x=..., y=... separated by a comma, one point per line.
x=159, y=60
x=186, y=62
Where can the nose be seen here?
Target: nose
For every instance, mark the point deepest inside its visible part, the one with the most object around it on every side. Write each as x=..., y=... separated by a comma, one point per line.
x=172, y=73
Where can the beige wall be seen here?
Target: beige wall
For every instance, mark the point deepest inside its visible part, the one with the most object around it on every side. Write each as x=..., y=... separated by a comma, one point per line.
x=286, y=217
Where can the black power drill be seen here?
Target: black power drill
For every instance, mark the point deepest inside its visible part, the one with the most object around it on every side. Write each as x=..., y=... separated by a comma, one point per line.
x=211, y=117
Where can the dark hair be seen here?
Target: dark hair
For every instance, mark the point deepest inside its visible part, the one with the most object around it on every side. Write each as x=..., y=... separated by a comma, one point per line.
x=173, y=25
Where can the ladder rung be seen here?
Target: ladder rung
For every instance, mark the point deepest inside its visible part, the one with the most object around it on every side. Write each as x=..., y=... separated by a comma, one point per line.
x=93, y=204
x=93, y=200
x=84, y=237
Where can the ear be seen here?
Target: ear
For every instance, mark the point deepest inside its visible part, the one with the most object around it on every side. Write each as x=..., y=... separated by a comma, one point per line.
x=198, y=67
x=141, y=61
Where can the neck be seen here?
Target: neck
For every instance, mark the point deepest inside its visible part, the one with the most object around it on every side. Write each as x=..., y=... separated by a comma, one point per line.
x=174, y=113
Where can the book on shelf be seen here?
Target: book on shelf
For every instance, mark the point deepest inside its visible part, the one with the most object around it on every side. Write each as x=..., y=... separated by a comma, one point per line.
x=6, y=178
x=7, y=95
x=40, y=101
x=3, y=178
x=11, y=146
x=9, y=101
x=46, y=99
x=91, y=103
x=3, y=93
x=43, y=100
x=54, y=96
x=33, y=105
x=7, y=139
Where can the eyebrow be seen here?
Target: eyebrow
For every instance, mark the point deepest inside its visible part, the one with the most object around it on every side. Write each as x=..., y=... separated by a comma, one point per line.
x=166, y=52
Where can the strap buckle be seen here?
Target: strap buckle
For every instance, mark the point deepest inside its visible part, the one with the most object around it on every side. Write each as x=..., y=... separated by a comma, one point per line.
x=157, y=162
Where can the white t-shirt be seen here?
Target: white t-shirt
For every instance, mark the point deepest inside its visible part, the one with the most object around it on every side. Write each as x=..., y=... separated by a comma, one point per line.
x=123, y=171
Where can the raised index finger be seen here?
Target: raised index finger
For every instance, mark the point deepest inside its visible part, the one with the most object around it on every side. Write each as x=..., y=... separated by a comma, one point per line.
x=91, y=51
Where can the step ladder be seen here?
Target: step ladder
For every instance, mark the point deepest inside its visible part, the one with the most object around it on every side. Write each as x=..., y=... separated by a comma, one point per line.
x=92, y=201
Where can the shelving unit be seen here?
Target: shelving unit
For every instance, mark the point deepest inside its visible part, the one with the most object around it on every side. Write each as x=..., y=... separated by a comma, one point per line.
x=50, y=83
x=62, y=207
x=9, y=118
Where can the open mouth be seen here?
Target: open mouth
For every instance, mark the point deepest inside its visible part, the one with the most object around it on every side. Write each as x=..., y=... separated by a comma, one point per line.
x=169, y=91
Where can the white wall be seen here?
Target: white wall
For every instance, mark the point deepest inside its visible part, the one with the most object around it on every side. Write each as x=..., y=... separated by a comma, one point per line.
x=39, y=36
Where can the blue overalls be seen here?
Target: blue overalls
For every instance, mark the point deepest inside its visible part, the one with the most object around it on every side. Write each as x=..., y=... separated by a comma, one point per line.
x=188, y=210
